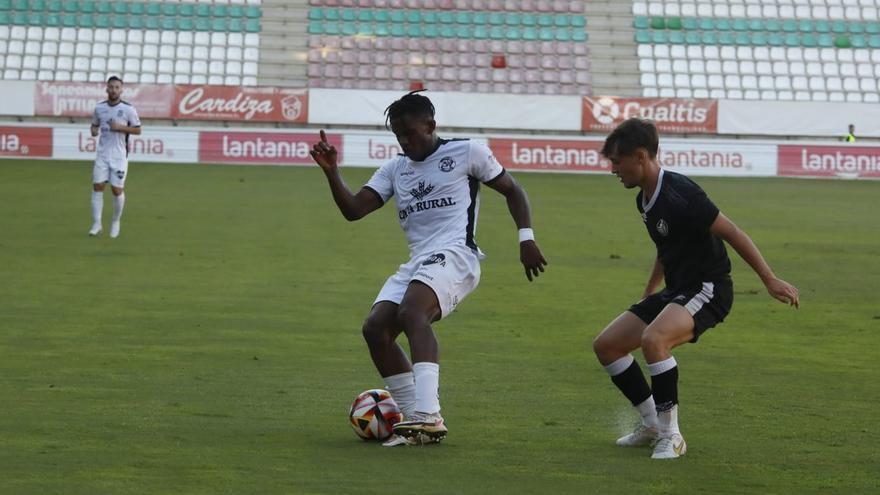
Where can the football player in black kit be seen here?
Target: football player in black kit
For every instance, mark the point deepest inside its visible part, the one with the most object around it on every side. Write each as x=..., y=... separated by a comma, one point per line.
x=689, y=232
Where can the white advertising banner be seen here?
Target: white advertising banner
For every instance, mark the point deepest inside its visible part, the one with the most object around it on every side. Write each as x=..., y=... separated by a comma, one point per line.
x=374, y=149
x=18, y=98
x=718, y=158
x=162, y=144
x=495, y=111
x=789, y=118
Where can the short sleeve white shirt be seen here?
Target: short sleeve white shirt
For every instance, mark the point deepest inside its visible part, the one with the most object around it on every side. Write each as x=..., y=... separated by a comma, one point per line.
x=112, y=145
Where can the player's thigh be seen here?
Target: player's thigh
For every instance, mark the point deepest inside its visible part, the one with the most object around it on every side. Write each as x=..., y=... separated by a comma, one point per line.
x=419, y=304
x=620, y=337
x=672, y=327
x=451, y=273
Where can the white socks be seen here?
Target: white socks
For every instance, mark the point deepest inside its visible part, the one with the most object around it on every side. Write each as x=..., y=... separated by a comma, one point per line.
x=97, y=206
x=648, y=410
x=619, y=366
x=427, y=378
x=659, y=367
x=667, y=421
x=118, y=204
x=403, y=391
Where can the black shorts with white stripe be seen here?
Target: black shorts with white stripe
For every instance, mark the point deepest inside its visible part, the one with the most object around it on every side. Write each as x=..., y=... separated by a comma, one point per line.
x=707, y=302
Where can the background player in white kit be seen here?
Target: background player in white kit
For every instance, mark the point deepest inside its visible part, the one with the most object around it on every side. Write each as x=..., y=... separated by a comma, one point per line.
x=114, y=120
x=435, y=184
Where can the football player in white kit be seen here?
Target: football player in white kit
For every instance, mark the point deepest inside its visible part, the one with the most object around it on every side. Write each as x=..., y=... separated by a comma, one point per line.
x=113, y=120
x=435, y=183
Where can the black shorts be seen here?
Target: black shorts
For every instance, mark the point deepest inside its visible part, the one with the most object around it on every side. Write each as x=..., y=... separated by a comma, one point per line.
x=707, y=302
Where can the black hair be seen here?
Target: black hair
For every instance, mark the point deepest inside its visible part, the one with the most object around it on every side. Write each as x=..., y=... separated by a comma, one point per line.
x=411, y=103
x=630, y=135
x=114, y=78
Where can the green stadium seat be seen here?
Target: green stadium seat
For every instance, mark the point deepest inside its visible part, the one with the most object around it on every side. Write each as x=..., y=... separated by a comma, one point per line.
x=658, y=23
x=253, y=12
x=756, y=24
x=513, y=19
x=69, y=20
x=53, y=19
x=121, y=21
x=872, y=27
x=842, y=41
x=183, y=10
x=348, y=29
x=414, y=31
x=183, y=23
x=792, y=39
x=398, y=16
x=104, y=7
x=331, y=28
x=5, y=18
x=237, y=11
x=363, y=15
x=874, y=41
x=513, y=33
x=380, y=16
x=822, y=26
x=202, y=24
x=21, y=5
x=775, y=39
x=315, y=27
x=86, y=21
x=218, y=24
x=37, y=5
x=71, y=6
x=710, y=38
x=350, y=15
x=497, y=32
x=529, y=19
x=858, y=41
x=464, y=31
x=742, y=38
x=706, y=24
x=789, y=26
x=673, y=23
x=381, y=30
x=137, y=22
x=220, y=10
x=431, y=31
x=481, y=32
x=412, y=17
x=578, y=21
x=640, y=22
x=120, y=8
x=463, y=17
x=447, y=31
x=725, y=38
x=563, y=35
x=398, y=30
x=530, y=33
x=363, y=29
x=5, y=5
x=856, y=28
x=692, y=38
x=773, y=25
x=202, y=9
x=805, y=26
x=35, y=19
x=20, y=18
x=480, y=18
x=137, y=8
x=496, y=18
x=676, y=37
x=643, y=37
x=316, y=14
x=545, y=20
x=546, y=34
x=154, y=24
x=826, y=40
x=740, y=24
x=579, y=36
x=155, y=9
x=809, y=40
x=659, y=37
x=722, y=24
x=690, y=23
x=562, y=21
x=55, y=6
x=759, y=38
x=838, y=27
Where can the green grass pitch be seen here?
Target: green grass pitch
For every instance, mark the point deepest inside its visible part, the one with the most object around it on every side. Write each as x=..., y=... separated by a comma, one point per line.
x=214, y=348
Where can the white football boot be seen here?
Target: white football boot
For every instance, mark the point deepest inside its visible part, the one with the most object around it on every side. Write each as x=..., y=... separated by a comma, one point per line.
x=95, y=230
x=643, y=435
x=114, y=229
x=430, y=428
x=669, y=447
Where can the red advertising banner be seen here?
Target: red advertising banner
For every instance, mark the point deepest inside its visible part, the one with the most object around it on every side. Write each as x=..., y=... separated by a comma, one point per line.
x=74, y=99
x=850, y=162
x=604, y=113
x=248, y=104
x=26, y=141
x=547, y=154
x=274, y=148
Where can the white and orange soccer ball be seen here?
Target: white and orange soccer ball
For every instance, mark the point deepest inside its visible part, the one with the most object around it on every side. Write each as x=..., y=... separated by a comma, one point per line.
x=373, y=413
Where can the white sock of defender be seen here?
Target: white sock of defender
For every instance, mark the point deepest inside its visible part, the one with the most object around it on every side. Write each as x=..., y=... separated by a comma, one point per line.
x=667, y=421
x=427, y=378
x=403, y=389
x=118, y=205
x=646, y=408
x=97, y=206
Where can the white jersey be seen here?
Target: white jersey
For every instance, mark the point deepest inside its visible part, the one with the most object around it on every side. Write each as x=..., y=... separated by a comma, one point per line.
x=112, y=145
x=438, y=198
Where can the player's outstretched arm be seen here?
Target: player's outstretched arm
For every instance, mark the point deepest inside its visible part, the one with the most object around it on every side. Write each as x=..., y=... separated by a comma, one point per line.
x=740, y=241
x=352, y=206
x=518, y=204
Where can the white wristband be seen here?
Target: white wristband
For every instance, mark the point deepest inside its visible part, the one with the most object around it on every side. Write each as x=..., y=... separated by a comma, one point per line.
x=526, y=235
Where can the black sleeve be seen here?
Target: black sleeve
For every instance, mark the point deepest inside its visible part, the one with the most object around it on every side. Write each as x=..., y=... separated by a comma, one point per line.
x=701, y=211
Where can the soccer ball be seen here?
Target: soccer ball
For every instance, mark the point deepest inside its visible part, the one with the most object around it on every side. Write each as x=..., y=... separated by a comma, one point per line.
x=373, y=413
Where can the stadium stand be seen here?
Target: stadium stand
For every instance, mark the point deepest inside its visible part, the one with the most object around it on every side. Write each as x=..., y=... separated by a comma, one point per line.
x=163, y=42
x=767, y=50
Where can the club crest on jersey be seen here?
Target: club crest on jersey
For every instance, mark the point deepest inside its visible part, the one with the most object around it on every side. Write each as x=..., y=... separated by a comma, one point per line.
x=436, y=258
x=447, y=164
x=119, y=113
x=663, y=228
x=421, y=191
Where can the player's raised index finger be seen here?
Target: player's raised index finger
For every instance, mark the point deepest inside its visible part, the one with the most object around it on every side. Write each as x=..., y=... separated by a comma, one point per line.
x=323, y=136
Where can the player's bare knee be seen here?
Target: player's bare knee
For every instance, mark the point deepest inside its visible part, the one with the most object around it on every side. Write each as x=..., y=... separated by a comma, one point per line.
x=601, y=346
x=653, y=342
x=98, y=187
x=375, y=332
x=412, y=319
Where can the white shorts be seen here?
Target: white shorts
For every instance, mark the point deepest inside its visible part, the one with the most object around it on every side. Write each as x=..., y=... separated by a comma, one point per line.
x=452, y=273
x=112, y=171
